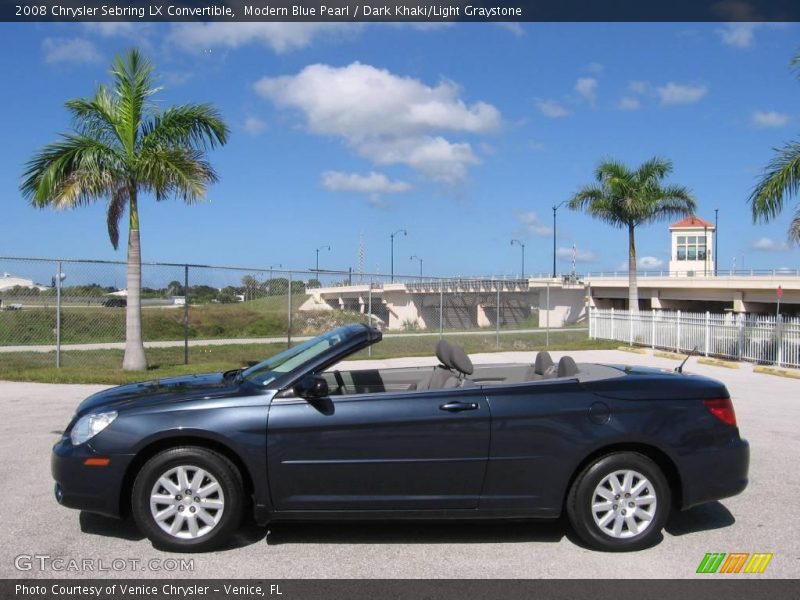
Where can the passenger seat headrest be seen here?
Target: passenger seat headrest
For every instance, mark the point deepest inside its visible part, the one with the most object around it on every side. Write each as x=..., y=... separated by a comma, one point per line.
x=543, y=363
x=444, y=352
x=567, y=367
x=460, y=361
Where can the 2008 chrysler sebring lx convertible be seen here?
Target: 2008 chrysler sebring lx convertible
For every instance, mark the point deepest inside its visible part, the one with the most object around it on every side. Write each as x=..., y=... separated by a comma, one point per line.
x=294, y=438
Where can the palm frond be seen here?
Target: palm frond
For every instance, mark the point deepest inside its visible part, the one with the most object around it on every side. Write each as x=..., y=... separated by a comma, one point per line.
x=192, y=125
x=74, y=171
x=178, y=171
x=781, y=179
x=133, y=85
x=116, y=208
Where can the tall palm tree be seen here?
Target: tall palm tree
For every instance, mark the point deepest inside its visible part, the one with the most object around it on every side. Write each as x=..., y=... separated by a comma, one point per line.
x=121, y=146
x=628, y=198
x=781, y=180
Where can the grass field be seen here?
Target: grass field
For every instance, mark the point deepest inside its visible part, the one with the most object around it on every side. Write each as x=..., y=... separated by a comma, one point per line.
x=103, y=366
x=265, y=317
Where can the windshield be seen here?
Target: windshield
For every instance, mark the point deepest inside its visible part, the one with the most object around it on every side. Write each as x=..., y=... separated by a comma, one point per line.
x=269, y=370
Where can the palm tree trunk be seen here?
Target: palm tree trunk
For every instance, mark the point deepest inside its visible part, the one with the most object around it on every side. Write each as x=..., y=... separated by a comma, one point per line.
x=134, y=359
x=633, y=289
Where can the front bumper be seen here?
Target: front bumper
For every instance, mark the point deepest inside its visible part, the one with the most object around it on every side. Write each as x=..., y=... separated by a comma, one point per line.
x=716, y=474
x=95, y=489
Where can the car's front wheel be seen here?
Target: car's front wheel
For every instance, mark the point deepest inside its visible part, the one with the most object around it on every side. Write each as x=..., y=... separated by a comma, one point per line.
x=619, y=502
x=187, y=499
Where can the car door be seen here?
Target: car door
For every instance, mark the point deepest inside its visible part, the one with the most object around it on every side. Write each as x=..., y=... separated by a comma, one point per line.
x=412, y=450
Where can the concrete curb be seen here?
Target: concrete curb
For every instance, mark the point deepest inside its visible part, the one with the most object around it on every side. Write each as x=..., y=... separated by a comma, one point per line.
x=715, y=362
x=632, y=349
x=776, y=372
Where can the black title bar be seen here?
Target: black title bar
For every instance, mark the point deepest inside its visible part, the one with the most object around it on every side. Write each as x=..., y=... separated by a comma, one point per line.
x=402, y=10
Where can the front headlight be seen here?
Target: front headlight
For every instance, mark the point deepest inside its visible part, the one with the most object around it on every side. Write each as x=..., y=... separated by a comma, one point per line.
x=89, y=426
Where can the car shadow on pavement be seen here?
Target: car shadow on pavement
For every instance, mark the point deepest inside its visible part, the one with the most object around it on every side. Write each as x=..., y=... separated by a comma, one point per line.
x=124, y=529
x=406, y=532
x=705, y=517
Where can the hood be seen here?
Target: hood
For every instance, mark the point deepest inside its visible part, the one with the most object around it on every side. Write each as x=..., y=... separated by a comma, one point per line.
x=157, y=391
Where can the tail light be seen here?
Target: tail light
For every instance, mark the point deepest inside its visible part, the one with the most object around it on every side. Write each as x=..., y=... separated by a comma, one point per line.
x=722, y=409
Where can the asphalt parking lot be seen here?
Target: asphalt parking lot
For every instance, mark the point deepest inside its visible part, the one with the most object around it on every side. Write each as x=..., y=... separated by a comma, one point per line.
x=765, y=518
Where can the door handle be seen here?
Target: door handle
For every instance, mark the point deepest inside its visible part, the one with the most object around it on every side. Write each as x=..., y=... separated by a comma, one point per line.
x=459, y=406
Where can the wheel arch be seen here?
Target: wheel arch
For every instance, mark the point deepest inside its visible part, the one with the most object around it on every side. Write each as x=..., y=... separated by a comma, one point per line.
x=155, y=447
x=658, y=456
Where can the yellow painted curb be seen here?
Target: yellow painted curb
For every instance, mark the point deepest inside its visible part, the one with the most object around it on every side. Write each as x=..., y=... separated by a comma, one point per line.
x=715, y=362
x=670, y=355
x=633, y=349
x=791, y=374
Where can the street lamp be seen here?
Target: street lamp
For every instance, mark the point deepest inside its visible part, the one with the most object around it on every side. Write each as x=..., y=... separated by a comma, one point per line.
x=420, y=263
x=522, y=246
x=391, y=237
x=555, y=209
x=328, y=248
x=716, y=230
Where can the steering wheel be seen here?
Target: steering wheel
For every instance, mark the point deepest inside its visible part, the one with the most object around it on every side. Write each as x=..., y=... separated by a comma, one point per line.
x=342, y=388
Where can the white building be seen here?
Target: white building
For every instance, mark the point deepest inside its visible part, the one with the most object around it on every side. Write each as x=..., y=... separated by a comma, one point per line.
x=692, y=252
x=8, y=281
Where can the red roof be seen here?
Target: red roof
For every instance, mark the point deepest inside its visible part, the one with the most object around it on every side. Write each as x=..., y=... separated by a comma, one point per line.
x=692, y=221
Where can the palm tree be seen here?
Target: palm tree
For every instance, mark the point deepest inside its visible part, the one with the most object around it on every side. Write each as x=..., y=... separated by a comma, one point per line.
x=627, y=199
x=781, y=180
x=122, y=146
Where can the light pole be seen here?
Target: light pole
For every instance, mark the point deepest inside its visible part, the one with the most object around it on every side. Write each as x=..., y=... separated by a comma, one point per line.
x=716, y=229
x=555, y=209
x=420, y=263
x=522, y=246
x=391, y=237
x=269, y=285
x=328, y=248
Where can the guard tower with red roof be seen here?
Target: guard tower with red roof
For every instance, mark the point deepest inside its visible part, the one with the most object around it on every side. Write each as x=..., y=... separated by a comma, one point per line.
x=692, y=251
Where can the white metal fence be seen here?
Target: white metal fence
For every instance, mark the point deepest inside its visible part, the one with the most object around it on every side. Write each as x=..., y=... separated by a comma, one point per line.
x=765, y=339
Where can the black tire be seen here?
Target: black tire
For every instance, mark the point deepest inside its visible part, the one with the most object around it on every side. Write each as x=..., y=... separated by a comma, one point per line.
x=217, y=466
x=582, y=496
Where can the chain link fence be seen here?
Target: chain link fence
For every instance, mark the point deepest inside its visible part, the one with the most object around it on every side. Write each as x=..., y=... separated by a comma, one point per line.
x=72, y=312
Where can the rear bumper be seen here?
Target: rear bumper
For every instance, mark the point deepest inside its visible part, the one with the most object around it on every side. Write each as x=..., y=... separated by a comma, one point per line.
x=716, y=474
x=92, y=488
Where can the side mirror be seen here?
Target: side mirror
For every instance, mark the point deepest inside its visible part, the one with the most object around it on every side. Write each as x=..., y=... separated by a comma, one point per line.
x=311, y=386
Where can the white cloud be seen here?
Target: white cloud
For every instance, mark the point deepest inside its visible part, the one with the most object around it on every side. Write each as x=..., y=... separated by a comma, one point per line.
x=77, y=50
x=629, y=103
x=676, y=93
x=770, y=119
x=533, y=225
x=740, y=35
x=587, y=88
x=552, y=109
x=117, y=28
x=595, y=68
x=639, y=87
x=278, y=36
x=766, y=244
x=649, y=262
x=581, y=256
x=371, y=183
x=254, y=125
x=536, y=145
x=516, y=28
x=386, y=118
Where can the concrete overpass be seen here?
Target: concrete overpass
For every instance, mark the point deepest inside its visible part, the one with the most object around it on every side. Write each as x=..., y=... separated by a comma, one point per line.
x=469, y=303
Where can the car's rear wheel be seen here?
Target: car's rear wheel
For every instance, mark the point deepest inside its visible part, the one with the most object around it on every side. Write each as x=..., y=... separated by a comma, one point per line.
x=187, y=499
x=619, y=502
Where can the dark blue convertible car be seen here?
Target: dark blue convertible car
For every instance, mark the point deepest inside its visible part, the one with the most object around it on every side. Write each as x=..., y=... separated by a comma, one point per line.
x=294, y=438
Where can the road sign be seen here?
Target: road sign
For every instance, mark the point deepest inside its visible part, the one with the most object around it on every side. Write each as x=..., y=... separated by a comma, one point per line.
x=780, y=292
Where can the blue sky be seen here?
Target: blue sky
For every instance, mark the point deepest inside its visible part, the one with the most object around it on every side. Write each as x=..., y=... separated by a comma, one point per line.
x=464, y=135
